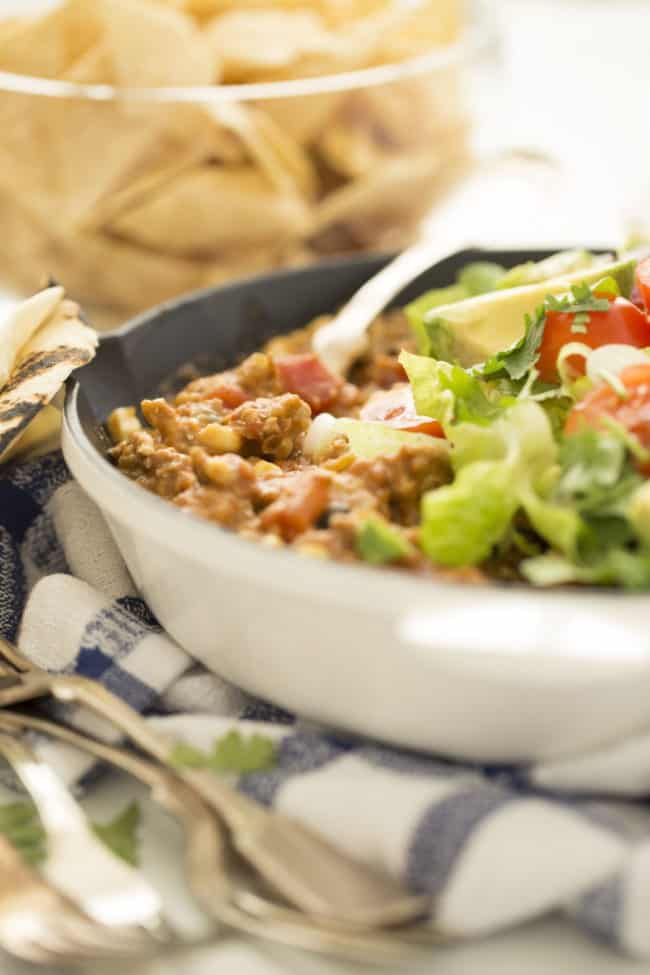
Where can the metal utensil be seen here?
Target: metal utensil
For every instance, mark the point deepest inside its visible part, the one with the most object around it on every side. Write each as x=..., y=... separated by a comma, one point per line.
x=223, y=896
x=341, y=341
x=39, y=924
x=296, y=862
x=78, y=864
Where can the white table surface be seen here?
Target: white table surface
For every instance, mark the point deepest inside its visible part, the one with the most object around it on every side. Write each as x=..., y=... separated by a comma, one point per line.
x=577, y=82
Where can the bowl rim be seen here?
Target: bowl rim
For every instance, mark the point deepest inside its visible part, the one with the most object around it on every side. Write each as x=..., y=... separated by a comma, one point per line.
x=478, y=35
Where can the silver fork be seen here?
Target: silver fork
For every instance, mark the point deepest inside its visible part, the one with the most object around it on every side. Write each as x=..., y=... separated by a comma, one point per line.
x=40, y=925
x=78, y=864
x=225, y=896
x=300, y=865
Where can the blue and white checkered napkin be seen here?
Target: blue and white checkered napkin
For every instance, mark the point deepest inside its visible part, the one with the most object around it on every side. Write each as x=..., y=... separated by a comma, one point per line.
x=495, y=846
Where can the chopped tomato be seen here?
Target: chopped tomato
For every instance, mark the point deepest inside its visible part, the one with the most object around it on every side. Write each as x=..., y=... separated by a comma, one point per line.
x=230, y=392
x=310, y=379
x=623, y=323
x=396, y=408
x=631, y=411
x=643, y=282
x=303, y=498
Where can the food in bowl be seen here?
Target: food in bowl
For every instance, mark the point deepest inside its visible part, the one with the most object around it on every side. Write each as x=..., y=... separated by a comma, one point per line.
x=250, y=137
x=496, y=429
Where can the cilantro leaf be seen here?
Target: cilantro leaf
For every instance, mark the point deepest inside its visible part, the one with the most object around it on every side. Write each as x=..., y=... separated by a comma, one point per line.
x=522, y=355
x=231, y=752
x=120, y=834
x=21, y=825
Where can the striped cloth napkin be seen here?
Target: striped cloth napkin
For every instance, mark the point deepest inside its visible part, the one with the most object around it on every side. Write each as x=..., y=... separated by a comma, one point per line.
x=495, y=846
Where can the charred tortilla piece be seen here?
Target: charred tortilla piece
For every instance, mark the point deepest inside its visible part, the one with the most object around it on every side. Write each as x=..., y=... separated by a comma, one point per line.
x=43, y=365
x=23, y=321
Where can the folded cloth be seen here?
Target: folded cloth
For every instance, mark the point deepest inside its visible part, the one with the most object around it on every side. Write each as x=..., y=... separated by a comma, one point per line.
x=494, y=846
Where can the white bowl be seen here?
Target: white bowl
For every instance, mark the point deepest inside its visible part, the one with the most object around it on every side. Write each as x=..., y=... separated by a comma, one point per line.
x=484, y=673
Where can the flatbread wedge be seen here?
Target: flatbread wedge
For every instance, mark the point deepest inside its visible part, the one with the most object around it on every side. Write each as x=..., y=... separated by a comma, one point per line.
x=63, y=344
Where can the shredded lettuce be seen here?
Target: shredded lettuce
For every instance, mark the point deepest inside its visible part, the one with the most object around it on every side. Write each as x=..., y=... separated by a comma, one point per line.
x=462, y=522
x=379, y=542
x=449, y=393
x=508, y=466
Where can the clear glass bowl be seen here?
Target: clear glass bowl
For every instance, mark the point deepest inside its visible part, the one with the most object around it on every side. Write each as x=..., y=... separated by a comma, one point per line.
x=130, y=196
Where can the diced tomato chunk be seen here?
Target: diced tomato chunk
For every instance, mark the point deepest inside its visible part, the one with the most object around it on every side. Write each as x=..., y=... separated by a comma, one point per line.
x=230, y=392
x=304, y=497
x=642, y=281
x=631, y=411
x=310, y=379
x=396, y=408
x=622, y=323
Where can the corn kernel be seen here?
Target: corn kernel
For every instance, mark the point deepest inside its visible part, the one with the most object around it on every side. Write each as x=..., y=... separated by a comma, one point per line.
x=219, y=439
x=271, y=541
x=312, y=550
x=122, y=422
x=341, y=463
x=219, y=471
x=264, y=468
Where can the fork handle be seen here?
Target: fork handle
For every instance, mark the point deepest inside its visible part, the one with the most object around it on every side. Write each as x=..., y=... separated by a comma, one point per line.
x=340, y=342
x=236, y=810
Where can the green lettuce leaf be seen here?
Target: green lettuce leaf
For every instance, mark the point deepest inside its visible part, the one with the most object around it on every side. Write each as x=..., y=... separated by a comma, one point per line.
x=449, y=393
x=433, y=339
x=378, y=542
x=508, y=466
x=481, y=277
x=462, y=522
x=617, y=567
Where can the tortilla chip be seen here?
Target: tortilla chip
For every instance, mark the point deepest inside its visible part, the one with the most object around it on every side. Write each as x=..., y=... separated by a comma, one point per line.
x=152, y=45
x=67, y=156
x=400, y=190
x=94, y=67
x=44, y=364
x=212, y=208
x=250, y=44
x=47, y=44
x=194, y=139
x=132, y=202
x=20, y=322
x=374, y=125
x=303, y=117
x=41, y=436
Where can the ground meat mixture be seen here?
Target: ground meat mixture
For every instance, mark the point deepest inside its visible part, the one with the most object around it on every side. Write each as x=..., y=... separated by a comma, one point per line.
x=273, y=427
x=231, y=448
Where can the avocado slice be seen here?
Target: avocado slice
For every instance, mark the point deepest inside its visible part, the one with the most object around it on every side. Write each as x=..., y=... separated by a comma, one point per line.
x=472, y=330
x=555, y=266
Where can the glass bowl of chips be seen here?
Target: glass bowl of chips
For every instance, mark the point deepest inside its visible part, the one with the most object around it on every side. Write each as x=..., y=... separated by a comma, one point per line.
x=152, y=147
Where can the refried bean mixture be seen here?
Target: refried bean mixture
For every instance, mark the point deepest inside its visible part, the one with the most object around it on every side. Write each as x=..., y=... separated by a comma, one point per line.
x=230, y=447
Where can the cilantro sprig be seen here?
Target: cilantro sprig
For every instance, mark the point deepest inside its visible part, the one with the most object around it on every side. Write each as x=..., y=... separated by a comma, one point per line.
x=21, y=825
x=231, y=752
x=518, y=359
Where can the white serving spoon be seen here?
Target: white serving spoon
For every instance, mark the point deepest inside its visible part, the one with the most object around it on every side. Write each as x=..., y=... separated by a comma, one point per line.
x=482, y=205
